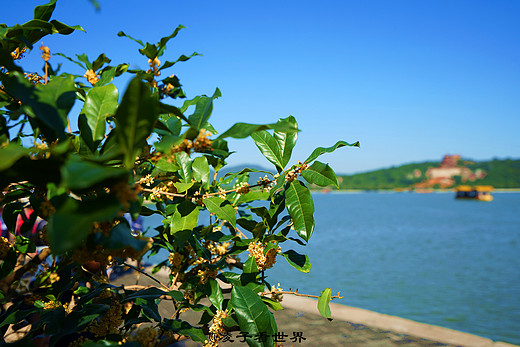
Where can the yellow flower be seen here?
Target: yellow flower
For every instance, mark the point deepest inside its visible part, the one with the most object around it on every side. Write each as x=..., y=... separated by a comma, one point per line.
x=217, y=329
x=46, y=53
x=264, y=260
x=5, y=246
x=17, y=53
x=92, y=76
x=147, y=337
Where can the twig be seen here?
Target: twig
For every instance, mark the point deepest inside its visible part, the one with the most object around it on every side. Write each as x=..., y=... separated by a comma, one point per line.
x=234, y=262
x=137, y=287
x=68, y=125
x=6, y=282
x=144, y=273
x=46, y=72
x=337, y=296
x=148, y=190
x=163, y=193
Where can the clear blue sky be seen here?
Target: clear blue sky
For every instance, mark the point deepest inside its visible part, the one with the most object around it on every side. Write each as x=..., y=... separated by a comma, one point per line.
x=411, y=80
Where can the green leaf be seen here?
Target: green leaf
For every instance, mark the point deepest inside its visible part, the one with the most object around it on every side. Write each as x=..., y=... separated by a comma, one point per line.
x=71, y=223
x=250, y=266
x=185, y=217
x=269, y=147
x=299, y=261
x=253, y=195
x=184, y=328
x=170, y=109
x=185, y=171
x=83, y=66
x=121, y=237
x=44, y=12
x=243, y=130
x=150, y=308
x=321, y=150
x=63, y=29
x=274, y=305
x=164, y=165
x=100, y=60
x=203, y=110
x=162, y=43
x=84, y=59
x=7, y=61
x=201, y=171
x=147, y=294
x=79, y=174
x=100, y=103
x=253, y=316
x=287, y=141
x=323, y=303
x=131, y=38
x=48, y=103
x=8, y=263
x=183, y=57
x=278, y=186
x=215, y=293
x=222, y=208
x=60, y=93
x=95, y=4
x=10, y=154
x=24, y=245
x=149, y=50
x=182, y=187
x=320, y=174
x=173, y=124
x=299, y=203
x=107, y=76
x=135, y=119
x=10, y=213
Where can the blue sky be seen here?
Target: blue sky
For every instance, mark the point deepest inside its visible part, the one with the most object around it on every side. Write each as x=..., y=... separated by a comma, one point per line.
x=410, y=80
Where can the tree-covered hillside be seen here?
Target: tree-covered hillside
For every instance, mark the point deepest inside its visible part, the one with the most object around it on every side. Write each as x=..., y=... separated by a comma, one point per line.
x=499, y=173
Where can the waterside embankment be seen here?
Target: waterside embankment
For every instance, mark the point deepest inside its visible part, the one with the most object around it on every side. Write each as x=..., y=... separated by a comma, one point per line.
x=299, y=324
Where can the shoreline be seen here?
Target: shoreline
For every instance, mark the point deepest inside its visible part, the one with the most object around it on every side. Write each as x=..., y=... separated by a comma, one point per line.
x=351, y=326
x=432, y=191
x=395, y=324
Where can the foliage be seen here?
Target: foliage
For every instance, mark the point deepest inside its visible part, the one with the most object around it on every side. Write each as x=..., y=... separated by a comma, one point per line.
x=500, y=173
x=139, y=152
x=394, y=177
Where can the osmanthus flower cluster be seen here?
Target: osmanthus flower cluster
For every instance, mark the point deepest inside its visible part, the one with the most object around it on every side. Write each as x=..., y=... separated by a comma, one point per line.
x=66, y=197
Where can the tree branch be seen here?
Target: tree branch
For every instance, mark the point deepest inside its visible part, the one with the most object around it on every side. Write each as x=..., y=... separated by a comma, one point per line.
x=6, y=282
x=144, y=273
x=337, y=296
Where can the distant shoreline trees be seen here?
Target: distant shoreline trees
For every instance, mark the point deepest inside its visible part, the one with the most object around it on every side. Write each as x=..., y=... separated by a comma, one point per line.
x=500, y=173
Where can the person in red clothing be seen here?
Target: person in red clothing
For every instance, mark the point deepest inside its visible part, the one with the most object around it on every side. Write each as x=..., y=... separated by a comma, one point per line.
x=27, y=224
x=26, y=216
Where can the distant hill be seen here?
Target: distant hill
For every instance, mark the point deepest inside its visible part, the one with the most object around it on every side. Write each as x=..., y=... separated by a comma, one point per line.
x=500, y=173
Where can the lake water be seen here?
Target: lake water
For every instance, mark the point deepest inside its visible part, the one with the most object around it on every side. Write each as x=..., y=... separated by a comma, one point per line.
x=425, y=257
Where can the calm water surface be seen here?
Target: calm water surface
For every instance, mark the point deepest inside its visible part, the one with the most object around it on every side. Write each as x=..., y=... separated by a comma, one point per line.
x=426, y=257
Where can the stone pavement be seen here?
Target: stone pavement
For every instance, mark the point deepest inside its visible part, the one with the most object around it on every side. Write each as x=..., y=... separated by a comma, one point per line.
x=302, y=325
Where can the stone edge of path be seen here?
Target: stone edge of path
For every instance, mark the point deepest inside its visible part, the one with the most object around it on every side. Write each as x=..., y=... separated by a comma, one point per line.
x=392, y=323
x=382, y=321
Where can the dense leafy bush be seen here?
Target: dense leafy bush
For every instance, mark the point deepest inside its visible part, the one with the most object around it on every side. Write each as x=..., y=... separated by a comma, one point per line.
x=139, y=155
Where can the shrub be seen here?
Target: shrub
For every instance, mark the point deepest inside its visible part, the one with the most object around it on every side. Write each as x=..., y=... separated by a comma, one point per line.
x=66, y=193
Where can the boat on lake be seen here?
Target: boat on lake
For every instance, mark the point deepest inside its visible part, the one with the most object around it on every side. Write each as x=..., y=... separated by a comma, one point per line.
x=482, y=193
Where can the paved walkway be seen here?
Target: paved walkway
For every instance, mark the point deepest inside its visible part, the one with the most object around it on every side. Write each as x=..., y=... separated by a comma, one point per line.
x=349, y=327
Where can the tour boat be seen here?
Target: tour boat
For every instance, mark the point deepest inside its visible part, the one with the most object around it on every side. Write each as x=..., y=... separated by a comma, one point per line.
x=482, y=193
